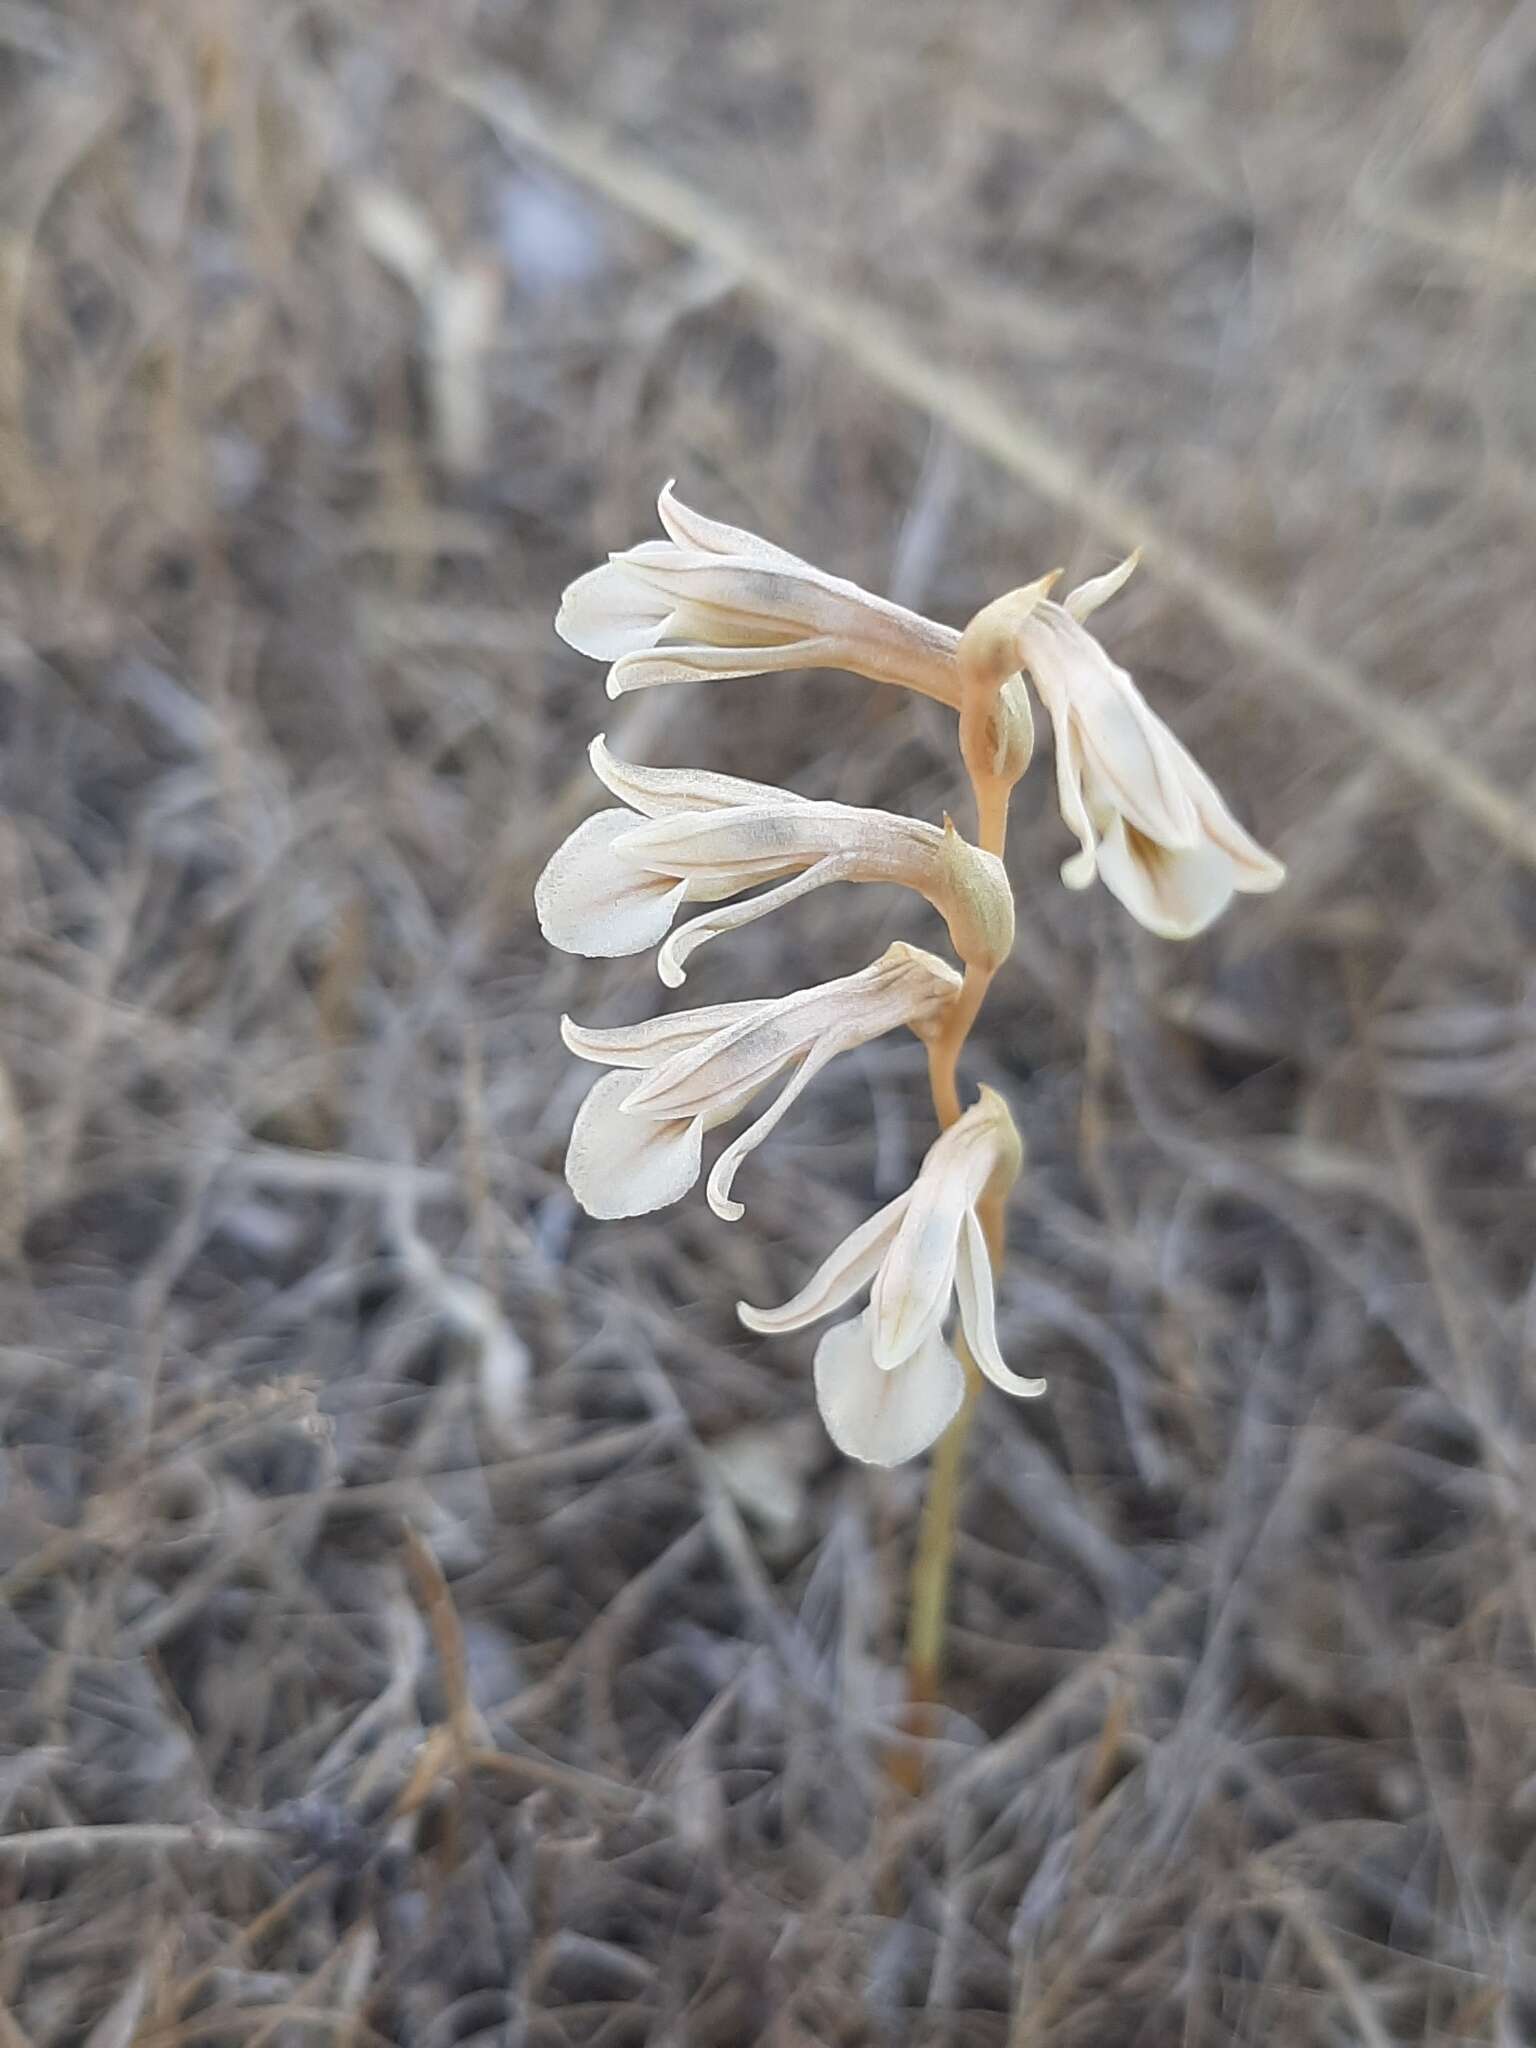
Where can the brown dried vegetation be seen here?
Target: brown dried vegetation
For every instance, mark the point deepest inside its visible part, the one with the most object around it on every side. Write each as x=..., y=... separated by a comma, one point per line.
x=426, y=1619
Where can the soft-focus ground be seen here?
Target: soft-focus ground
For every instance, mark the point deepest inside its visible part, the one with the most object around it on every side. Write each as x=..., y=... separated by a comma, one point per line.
x=352, y=1689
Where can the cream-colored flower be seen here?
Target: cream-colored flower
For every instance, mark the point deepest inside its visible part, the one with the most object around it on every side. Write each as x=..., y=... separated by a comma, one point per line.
x=637, y=1141
x=1150, y=821
x=616, y=883
x=887, y=1383
x=714, y=600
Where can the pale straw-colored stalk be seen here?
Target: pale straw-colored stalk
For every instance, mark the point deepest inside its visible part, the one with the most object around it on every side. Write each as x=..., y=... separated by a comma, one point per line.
x=985, y=660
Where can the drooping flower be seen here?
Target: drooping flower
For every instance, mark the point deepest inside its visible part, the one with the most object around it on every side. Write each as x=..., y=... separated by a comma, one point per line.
x=714, y=600
x=637, y=1139
x=615, y=885
x=1150, y=822
x=887, y=1383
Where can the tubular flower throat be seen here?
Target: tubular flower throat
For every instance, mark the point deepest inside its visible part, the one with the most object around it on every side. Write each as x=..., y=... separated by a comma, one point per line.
x=887, y=1383
x=1150, y=822
x=615, y=885
x=637, y=1139
x=713, y=601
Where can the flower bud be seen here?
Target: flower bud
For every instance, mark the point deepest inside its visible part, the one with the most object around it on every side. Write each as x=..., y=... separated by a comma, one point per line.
x=997, y=730
x=978, y=901
x=997, y=734
x=1008, y=1148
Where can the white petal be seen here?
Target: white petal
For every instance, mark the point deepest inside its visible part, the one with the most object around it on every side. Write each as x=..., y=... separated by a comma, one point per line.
x=756, y=841
x=1125, y=756
x=726, y=1166
x=654, y=1039
x=836, y=1280
x=783, y=605
x=727, y=1068
x=1131, y=760
x=1174, y=892
x=696, y=662
x=611, y=611
x=1077, y=872
x=1087, y=597
x=912, y=1290
x=978, y=1311
x=659, y=792
x=904, y=986
x=691, y=529
x=730, y=600
x=620, y=1165
x=884, y=1418
x=591, y=901
x=687, y=939
x=1254, y=871
x=1079, y=869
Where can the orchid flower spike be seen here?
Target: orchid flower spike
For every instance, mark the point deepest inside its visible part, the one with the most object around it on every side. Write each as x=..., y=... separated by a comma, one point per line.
x=888, y=1384
x=615, y=885
x=1150, y=821
x=637, y=1139
x=714, y=600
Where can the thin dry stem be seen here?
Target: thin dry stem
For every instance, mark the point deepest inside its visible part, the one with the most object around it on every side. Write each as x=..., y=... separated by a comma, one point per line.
x=948, y=1042
x=936, y=1546
x=933, y=1556
x=934, y=1552
x=992, y=816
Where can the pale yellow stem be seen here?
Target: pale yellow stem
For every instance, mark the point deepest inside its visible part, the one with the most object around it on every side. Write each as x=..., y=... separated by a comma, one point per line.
x=988, y=656
x=947, y=1044
x=992, y=815
x=936, y=1532
x=935, y=1550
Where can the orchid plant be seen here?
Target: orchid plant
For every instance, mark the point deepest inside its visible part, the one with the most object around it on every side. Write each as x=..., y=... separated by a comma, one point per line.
x=712, y=601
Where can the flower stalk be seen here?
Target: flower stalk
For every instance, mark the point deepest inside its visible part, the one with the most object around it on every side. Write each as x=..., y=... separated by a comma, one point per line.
x=932, y=1558
x=986, y=659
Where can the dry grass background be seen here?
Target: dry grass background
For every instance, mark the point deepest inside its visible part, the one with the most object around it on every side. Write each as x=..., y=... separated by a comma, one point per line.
x=426, y=1618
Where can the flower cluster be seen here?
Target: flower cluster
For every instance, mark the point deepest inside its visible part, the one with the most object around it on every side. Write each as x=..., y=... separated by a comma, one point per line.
x=713, y=601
